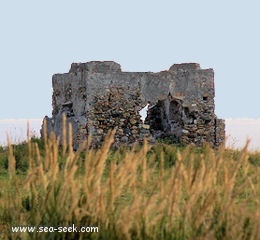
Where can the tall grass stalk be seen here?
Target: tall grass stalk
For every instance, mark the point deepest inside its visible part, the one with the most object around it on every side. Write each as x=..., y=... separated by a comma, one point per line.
x=128, y=194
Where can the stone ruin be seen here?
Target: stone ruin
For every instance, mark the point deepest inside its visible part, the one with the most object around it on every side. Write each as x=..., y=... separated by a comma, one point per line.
x=97, y=96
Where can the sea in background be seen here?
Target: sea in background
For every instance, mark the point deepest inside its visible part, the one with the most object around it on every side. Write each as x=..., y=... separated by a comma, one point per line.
x=237, y=131
x=16, y=129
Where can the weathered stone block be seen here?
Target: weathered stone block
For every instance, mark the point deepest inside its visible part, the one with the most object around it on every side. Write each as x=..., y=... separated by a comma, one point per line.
x=98, y=96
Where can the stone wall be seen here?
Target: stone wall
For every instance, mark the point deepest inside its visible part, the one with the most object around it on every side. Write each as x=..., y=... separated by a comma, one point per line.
x=98, y=96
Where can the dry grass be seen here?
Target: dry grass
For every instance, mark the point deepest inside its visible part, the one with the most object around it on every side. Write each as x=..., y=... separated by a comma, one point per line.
x=130, y=195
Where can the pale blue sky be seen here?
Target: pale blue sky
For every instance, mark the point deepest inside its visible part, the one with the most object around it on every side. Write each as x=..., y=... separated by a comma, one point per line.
x=40, y=38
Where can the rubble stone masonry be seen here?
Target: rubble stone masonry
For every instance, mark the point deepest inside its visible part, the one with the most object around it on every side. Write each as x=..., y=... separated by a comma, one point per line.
x=98, y=96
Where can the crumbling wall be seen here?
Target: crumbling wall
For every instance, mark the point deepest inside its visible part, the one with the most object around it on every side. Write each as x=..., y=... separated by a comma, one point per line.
x=98, y=96
x=118, y=107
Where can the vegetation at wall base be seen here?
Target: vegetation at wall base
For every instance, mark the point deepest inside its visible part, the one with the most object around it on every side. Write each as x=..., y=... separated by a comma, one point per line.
x=144, y=192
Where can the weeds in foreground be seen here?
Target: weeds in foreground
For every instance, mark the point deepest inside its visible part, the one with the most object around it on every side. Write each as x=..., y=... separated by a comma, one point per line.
x=146, y=192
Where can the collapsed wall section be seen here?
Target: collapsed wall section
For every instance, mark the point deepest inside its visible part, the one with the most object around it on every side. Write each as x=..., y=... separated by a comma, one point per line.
x=98, y=96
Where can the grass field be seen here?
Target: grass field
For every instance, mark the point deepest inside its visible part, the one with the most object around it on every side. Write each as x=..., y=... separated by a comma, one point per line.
x=143, y=192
